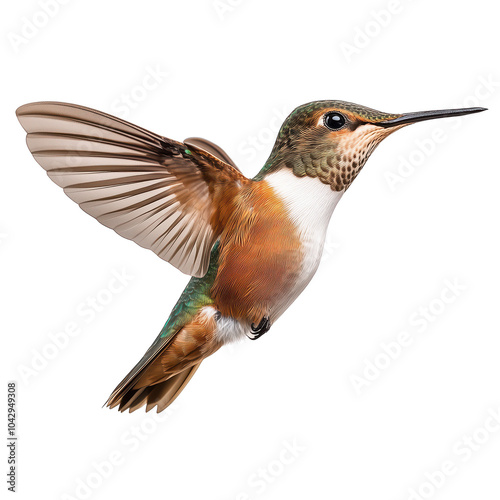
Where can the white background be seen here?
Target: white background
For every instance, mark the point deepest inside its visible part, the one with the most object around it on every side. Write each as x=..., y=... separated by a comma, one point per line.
x=423, y=211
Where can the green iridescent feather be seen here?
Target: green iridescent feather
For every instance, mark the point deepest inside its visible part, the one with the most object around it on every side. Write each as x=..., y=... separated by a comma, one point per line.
x=195, y=295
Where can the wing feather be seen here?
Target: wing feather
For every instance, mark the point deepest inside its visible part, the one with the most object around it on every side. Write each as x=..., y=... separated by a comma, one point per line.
x=149, y=189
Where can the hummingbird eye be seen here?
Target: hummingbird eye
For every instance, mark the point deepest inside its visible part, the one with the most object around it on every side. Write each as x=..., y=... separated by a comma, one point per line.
x=334, y=121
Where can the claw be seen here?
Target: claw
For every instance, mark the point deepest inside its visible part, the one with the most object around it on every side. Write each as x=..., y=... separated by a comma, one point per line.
x=257, y=331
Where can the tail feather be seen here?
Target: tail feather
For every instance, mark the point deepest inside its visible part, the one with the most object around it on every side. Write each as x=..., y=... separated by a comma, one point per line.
x=124, y=392
x=161, y=395
x=167, y=366
x=129, y=398
x=167, y=393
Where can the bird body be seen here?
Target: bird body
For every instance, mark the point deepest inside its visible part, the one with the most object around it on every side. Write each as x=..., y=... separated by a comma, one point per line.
x=236, y=292
x=250, y=245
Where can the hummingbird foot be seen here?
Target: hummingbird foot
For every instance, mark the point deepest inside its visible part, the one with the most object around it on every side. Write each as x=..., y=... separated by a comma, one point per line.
x=257, y=331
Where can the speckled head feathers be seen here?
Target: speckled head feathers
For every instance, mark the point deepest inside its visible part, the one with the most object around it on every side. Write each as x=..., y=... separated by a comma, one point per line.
x=334, y=150
x=309, y=148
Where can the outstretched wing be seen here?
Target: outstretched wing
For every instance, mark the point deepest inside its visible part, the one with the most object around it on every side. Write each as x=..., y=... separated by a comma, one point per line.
x=162, y=194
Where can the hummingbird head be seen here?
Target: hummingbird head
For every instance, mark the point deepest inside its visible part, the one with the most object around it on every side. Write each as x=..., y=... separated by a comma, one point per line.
x=332, y=140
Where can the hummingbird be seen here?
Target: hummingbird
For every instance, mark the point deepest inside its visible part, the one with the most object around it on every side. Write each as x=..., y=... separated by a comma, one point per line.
x=251, y=246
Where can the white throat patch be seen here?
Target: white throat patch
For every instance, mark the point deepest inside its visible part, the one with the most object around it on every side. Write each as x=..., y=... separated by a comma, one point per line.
x=310, y=204
x=309, y=201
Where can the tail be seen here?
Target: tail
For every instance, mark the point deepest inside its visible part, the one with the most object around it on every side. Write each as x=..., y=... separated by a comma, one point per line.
x=161, y=395
x=167, y=367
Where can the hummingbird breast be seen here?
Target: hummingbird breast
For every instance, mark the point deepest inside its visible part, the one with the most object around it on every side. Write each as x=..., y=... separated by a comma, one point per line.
x=309, y=204
x=272, y=245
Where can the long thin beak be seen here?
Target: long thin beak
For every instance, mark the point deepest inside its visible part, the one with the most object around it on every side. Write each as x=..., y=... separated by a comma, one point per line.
x=420, y=116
